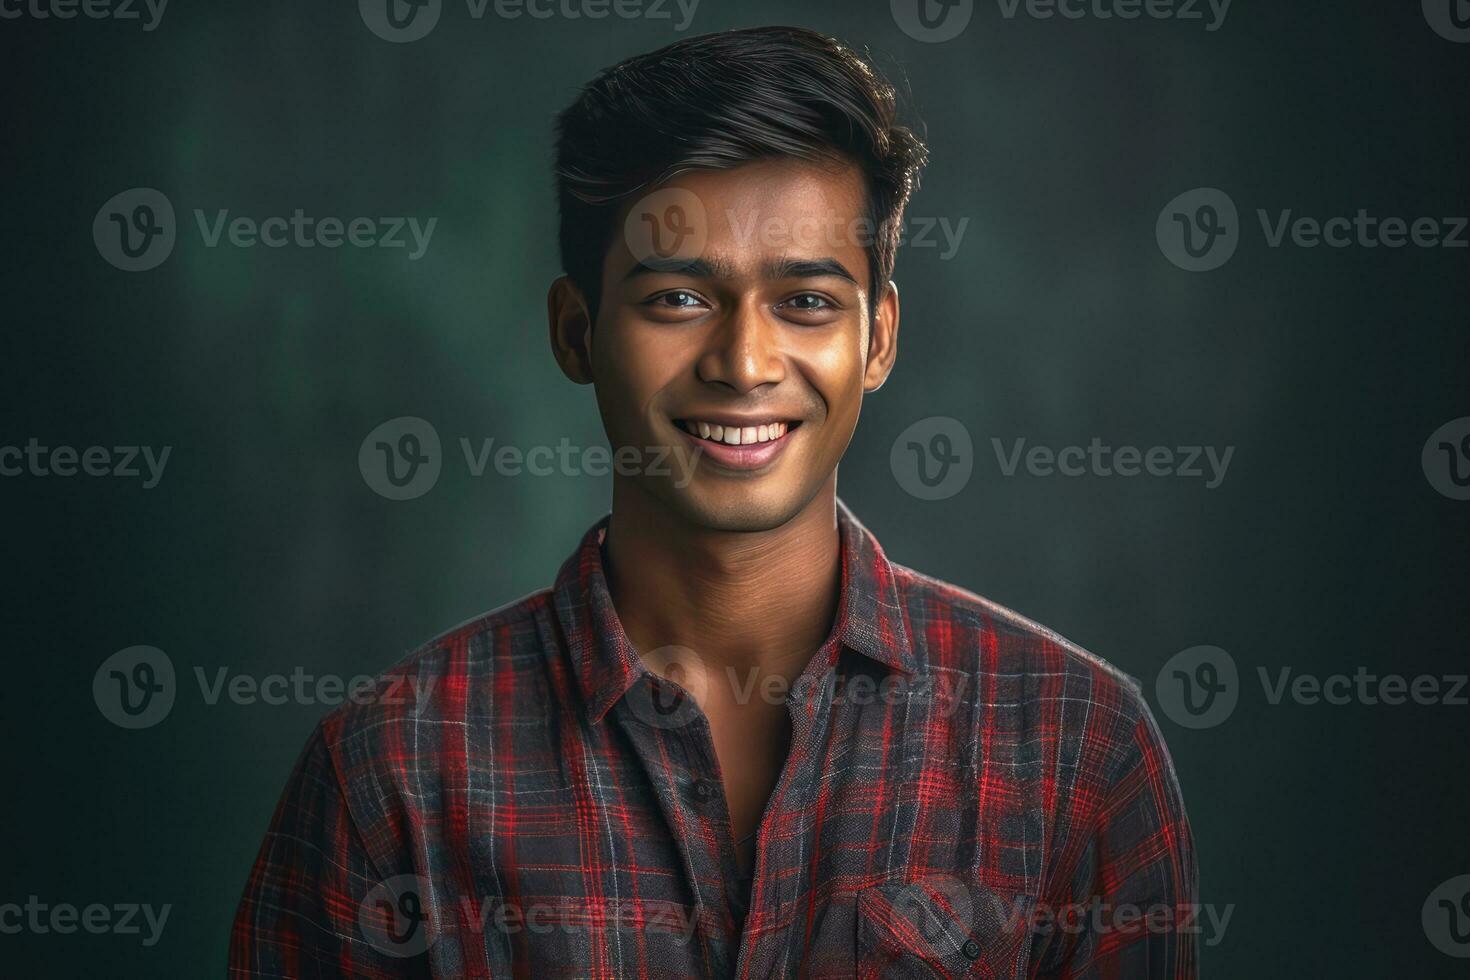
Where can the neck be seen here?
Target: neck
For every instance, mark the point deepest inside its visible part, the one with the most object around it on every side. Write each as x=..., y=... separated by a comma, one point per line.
x=761, y=600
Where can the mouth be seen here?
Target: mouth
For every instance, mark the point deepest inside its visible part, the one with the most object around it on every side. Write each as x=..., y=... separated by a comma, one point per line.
x=745, y=445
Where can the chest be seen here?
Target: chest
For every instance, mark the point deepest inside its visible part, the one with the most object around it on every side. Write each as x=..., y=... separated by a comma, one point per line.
x=861, y=814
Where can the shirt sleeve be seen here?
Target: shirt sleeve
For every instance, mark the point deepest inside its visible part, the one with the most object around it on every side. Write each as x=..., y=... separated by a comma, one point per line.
x=1128, y=908
x=314, y=904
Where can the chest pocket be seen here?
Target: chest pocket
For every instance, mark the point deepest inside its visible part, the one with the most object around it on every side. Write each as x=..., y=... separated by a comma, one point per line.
x=940, y=926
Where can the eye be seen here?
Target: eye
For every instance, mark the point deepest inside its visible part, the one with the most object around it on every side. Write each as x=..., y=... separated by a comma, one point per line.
x=808, y=302
x=678, y=299
x=812, y=309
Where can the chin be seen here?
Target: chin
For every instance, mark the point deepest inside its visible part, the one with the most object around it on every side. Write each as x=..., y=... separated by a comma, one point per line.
x=736, y=508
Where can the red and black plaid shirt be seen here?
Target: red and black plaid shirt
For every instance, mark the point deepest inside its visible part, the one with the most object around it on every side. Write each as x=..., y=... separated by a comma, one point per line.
x=966, y=794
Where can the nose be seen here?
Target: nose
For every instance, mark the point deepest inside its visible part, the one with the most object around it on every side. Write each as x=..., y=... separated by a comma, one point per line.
x=743, y=351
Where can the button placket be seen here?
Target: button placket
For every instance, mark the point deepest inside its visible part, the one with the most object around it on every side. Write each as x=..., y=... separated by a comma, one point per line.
x=704, y=795
x=673, y=749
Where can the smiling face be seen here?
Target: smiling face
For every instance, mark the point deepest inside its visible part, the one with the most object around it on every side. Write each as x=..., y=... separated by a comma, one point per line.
x=735, y=328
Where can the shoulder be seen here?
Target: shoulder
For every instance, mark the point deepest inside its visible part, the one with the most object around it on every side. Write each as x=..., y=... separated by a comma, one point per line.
x=1072, y=731
x=433, y=685
x=1031, y=675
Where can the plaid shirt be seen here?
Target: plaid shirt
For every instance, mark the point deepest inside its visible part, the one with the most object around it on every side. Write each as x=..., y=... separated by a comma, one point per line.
x=966, y=794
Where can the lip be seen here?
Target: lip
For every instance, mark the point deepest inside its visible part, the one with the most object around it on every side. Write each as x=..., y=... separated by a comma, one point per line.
x=751, y=457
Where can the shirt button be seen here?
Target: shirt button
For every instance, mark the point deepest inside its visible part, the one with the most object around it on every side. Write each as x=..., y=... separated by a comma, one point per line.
x=704, y=789
x=971, y=949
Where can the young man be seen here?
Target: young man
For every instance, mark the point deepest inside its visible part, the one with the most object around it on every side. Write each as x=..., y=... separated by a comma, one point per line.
x=733, y=739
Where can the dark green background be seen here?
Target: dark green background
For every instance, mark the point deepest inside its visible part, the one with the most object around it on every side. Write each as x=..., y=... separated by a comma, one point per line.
x=1059, y=320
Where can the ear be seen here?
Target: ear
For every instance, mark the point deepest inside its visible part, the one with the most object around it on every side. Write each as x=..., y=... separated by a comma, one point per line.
x=571, y=329
x=883, y=340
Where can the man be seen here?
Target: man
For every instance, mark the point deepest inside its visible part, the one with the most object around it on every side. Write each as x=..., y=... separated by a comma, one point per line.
x=733, y=739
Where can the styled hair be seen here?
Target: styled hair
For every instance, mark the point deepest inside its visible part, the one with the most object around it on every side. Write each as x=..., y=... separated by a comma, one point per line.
x=717, y=101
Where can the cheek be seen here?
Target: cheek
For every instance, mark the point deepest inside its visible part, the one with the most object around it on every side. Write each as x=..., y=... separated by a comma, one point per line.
x=835, y=370
x=631, y=368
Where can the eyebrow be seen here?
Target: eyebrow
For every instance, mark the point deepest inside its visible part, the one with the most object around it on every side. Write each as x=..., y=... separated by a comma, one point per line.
x=807, y=269
x=699, y=268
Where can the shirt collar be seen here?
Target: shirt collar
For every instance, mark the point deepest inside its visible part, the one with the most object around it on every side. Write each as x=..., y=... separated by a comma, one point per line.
x=870, y=618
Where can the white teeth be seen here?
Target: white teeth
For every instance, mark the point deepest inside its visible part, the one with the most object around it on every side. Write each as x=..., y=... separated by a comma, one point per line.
x=738, y=435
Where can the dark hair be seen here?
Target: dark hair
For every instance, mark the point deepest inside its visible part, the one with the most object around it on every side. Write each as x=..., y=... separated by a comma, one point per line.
x=717, y=101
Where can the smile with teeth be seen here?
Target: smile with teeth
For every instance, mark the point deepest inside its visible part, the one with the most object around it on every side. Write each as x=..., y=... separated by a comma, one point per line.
x=736, y=435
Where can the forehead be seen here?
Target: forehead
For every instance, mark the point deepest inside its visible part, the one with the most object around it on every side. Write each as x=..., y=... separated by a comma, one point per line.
x=739, y=219
x=771, y=188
